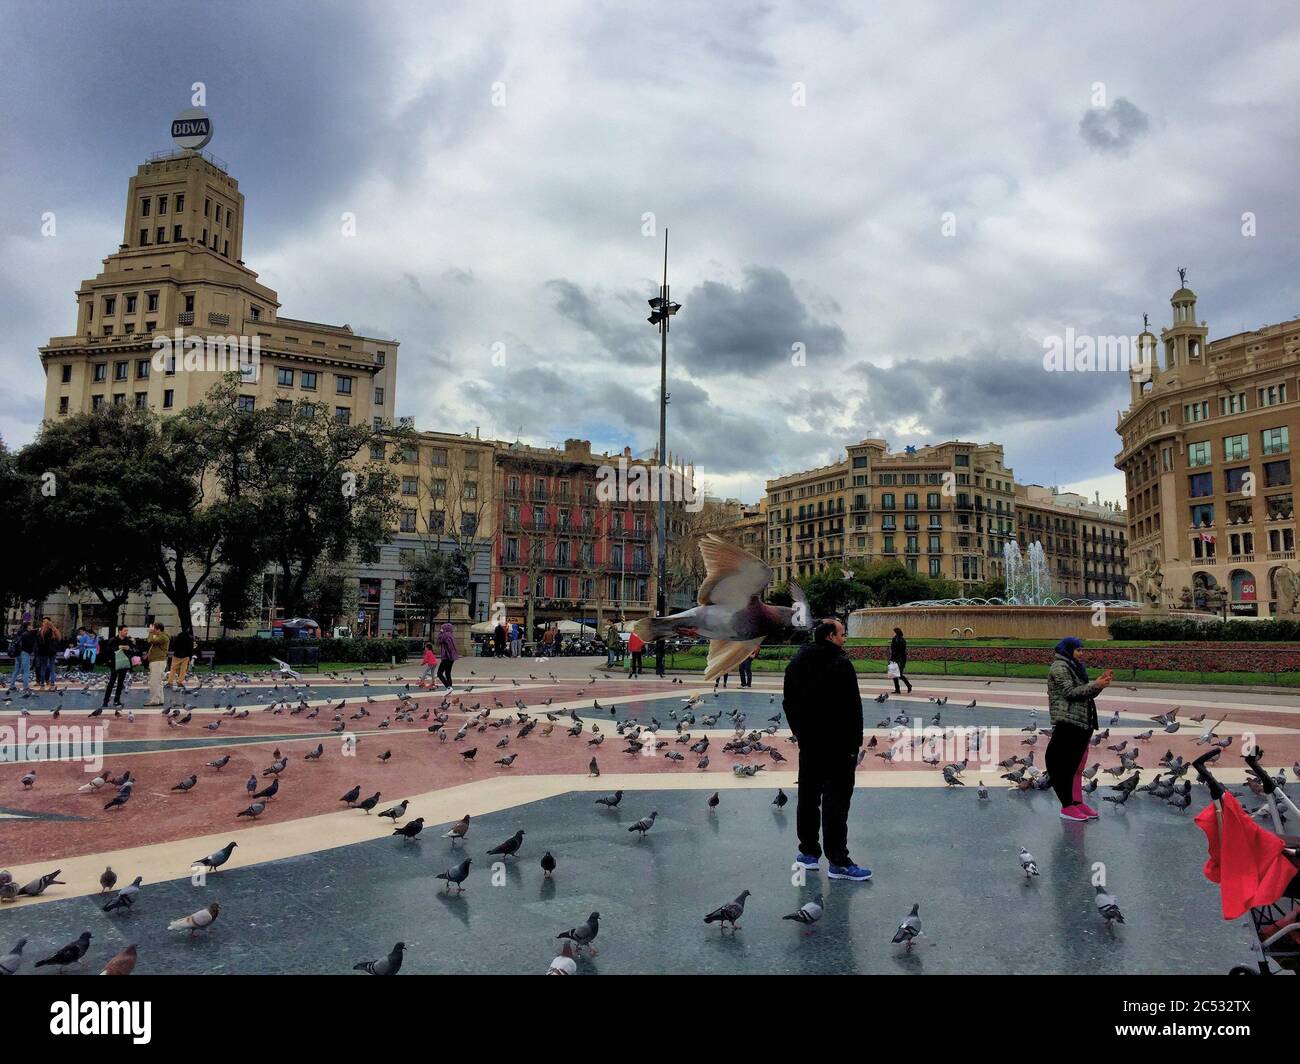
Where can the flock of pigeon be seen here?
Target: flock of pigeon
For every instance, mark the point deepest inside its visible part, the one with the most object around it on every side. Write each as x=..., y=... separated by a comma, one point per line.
x=640, y=739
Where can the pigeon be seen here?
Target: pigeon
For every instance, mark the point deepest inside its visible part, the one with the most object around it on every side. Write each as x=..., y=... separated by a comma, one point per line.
x=69, y=954
x=352, y=795
x=37, y=887
x=216, y=860
x=458, y=830
x=456, y=876
x=126, y=896
x=396, y=812
x=564, y=964
x=583, y=934
x=107, y=879
x=508, y=848
x=644, y=824
x=807, y=913
x=1108, y=906
x=368, y=804
x=315, y=754
x=390, y=965
x=612, y=801
x=548, y=864
x=410, y=829
x=593, y=769
x=909, y=928
x=729, y=913
x=983, y=792
x=730, y=611
x=220, y=762
x=121, y=964
x=13, y=960
x=781, y=799
x=269, y=791
x=468, y=755
x=1027, y=863
x=714, y=799
x=196, y=921
x=253, y=811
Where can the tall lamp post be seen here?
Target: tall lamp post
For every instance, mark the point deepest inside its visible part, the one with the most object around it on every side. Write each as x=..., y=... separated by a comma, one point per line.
x=661, y=311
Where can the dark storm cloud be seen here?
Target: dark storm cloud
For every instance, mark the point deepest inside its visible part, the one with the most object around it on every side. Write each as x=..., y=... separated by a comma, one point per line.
x=1115, y=128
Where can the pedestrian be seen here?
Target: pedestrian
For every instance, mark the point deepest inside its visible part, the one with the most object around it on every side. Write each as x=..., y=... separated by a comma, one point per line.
x=612, y=642
x=1073, y=709
x=447, y=653
x=119, y=664
x=182, y=648
x=516, y=639
x=48, y=643
x=898, y=660
x=636, y=647
x=22, y=647
x=824, y=709
x=747, y=670
x=158, y=641
x=499, y=641
x=430, y=662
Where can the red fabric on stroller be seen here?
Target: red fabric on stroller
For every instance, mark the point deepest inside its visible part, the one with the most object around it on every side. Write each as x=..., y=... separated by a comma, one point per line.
x=1247, y=862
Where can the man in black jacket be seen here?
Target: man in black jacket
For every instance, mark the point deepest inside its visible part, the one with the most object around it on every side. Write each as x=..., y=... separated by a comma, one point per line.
x=117, y=675
x=824, y=709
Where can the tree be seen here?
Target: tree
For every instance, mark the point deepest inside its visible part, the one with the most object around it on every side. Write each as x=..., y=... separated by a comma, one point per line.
x=435, y=579
x=330, y=593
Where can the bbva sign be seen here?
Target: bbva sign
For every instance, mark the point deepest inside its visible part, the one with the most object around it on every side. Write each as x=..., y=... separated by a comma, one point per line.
x=192, y=128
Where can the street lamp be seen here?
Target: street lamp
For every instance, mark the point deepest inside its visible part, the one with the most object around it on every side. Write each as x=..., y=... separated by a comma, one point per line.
x=662, y=308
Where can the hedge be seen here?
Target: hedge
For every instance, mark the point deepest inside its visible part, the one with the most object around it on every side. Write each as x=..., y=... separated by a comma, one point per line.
x=249, y=650
x=1205, y=631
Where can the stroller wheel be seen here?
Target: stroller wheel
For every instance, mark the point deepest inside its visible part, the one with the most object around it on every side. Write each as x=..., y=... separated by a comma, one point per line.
x=1242, y=969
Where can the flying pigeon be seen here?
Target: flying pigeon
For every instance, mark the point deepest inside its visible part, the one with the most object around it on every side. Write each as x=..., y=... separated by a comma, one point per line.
x=730, y=613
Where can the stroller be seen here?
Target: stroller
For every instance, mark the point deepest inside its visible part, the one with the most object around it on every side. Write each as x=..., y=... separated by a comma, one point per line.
x=1273, y=952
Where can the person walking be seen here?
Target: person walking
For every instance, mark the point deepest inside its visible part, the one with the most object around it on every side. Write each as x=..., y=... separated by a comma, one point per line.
x=447, y=653
x=611, y=644
x=430, y=662
x=48, y=643
x=898, y=657
x=1073, y=709
x=499, y=641
x=158, y=641
x=516, y=639
x=22, y=647
x=182, y=648
x=635, y=647
x=824, y=709
x=747, y=670
x=119, y=664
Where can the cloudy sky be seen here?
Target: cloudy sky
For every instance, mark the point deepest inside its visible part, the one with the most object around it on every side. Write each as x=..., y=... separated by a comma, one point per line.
x=911, y=195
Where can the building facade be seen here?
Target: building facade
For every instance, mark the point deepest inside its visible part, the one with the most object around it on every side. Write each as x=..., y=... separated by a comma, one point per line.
x=1084, y=542
x=1206, y=456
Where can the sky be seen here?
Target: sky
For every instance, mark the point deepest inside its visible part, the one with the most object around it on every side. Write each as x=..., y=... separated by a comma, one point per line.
x=879, y=213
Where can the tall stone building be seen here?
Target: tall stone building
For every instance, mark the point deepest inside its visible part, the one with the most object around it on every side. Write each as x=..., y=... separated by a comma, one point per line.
x=1083, y=541
x=1206, y=455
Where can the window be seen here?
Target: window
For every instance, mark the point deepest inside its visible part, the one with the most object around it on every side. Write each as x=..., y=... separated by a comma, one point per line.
x=176, y=234
x=101, y=372
x=189, y=302
x=309, y=380
x=119, y=398
x=171, y=366
x=1236, y=448
x=343, y=414
x=909, y=501
x=1272, y=395
x=410, y=486
x=141, y=400
x=151, y=302
x=160, y=235
x=379, y=396
x=376, y=452
x=1235, y=478
x=343, y=385
x=1203, y=515
x=67, y=372
x=1277, y=474
x=144, y=237
x=162, y=204
x=1196, y=411
x=169, y=398
x=216, y=217
x=1198, y=454
x=246, y=402
x=379, y=358
x=120, y=370
x=469, y=490
x=1276, y=441
x=438, y=488
x=438, y=456
x=284, y=378
x=110, y=306
x=438, y=522
x=96, y=402
x=180, y=202
x=142, y=369
x=284, y=407
x=255, y=313
x=961, y=460
x=225, y=248
x=130, y=304
x=935, y=563
x=63, y=404
x=408, y=521
x=887, y=501
x=308, y=409
x=471, y=462
x=207, y=207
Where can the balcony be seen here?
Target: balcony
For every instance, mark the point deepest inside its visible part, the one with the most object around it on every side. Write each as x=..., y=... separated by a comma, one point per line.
x=1280, y=556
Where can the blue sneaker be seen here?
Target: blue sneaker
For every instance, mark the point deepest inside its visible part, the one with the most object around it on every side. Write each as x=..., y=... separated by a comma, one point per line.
x=853, y=872
x=811, y=864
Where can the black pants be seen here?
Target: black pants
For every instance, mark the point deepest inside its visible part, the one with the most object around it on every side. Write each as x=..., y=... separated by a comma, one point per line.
x=901, y=676
x=747, y=672
x=636, y=662
x=444, y=671
x=825, y=793
x=1064, y=754
x=116, y=676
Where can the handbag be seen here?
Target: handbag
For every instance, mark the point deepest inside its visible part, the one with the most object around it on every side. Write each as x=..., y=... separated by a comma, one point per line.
x=120, y=660
x=894, y=671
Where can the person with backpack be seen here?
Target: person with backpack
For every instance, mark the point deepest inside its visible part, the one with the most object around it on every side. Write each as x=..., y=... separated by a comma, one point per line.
x=119, y=652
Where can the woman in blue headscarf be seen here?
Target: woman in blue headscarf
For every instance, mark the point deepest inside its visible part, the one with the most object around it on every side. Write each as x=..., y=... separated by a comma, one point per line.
x=1070, y=700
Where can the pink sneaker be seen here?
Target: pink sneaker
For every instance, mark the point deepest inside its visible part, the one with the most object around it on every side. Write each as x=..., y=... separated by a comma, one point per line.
x=1088, y=810
x=1075, y=813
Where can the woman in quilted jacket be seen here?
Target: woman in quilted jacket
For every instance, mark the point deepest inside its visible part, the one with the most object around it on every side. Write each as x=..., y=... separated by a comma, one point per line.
x=1071, y=702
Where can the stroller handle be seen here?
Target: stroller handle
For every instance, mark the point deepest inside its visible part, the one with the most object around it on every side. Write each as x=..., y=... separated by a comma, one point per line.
x=1216, y=788
x=1263, y=775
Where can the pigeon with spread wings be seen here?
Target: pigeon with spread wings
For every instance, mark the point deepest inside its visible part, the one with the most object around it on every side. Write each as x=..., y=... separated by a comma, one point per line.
x=731, y=613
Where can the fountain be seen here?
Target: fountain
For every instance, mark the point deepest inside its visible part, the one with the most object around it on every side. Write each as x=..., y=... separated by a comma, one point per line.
x=1028, y=608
